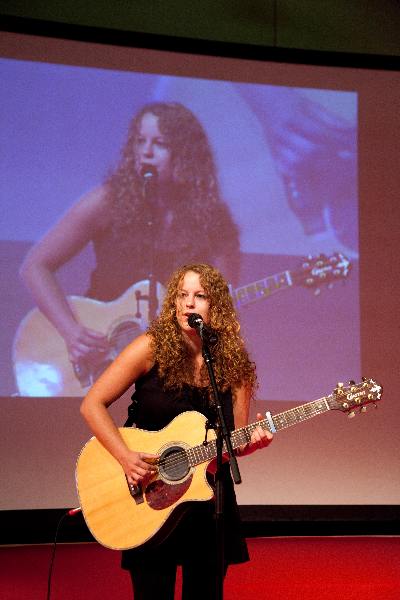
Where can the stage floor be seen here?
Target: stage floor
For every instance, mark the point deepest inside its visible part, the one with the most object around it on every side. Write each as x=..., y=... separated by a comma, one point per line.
x=301, y=568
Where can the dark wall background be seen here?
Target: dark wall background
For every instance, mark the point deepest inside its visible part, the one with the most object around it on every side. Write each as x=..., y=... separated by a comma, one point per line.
x=355, y=26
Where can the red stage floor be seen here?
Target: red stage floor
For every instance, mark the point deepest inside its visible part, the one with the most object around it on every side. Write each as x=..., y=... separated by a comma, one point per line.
x=302, y=568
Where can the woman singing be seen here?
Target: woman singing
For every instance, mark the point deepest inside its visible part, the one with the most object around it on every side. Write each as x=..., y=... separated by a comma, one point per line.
x=167, y=367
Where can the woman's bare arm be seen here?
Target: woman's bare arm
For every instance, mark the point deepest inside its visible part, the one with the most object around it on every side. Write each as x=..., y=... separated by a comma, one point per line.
x=135, y=360
x=38, y=271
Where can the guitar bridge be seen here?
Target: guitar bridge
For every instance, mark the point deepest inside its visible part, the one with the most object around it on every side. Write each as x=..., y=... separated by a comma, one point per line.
x=136, y=492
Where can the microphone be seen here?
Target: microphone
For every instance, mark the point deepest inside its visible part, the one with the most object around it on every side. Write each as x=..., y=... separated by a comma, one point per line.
x=206, y=333
x=149, y=175
x=148, y=172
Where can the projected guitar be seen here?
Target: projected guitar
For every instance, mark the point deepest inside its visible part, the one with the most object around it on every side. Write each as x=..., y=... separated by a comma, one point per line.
x=121, y=516
x=40, y=358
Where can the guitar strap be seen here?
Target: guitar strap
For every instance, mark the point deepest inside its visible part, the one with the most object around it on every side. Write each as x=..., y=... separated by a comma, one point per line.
x=132, y=412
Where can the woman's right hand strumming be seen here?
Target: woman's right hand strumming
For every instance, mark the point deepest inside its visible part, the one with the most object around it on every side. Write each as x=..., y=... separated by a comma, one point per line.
x=138, y=466
x=84, y=344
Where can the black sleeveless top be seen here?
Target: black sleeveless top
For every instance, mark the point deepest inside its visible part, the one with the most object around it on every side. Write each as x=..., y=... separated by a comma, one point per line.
x=123, y=258
x=122, y=262
x=153, y=408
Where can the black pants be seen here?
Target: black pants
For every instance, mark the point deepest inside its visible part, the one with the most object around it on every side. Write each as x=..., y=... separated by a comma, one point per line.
x=157, y=581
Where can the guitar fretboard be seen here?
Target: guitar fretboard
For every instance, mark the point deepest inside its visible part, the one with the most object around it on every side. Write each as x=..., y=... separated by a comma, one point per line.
x=208, y=450
x=261, y=289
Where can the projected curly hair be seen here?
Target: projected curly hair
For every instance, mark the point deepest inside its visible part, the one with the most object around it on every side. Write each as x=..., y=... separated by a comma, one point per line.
x=194, y=179
x=231, y=363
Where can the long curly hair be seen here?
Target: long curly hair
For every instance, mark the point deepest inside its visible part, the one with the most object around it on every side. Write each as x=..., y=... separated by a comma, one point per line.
x=232, y=366
x=194, y=178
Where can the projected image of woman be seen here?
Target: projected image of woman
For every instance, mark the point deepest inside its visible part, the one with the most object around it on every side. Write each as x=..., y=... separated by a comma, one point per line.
x=158, y=209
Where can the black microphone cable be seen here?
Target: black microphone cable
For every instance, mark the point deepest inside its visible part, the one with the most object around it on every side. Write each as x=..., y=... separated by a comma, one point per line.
x=69, y=513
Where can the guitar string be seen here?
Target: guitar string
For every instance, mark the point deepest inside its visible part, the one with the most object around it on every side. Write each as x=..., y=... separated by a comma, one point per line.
x=200, y=451
x=176, y=459
x=283, y=419
x=183, y=456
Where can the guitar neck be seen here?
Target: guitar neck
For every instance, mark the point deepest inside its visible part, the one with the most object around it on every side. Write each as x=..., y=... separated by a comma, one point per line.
x=257, y=290
x=313, y=273
x=239, y=437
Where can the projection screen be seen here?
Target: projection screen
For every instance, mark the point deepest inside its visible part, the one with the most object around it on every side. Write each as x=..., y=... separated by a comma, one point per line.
x=305, y=159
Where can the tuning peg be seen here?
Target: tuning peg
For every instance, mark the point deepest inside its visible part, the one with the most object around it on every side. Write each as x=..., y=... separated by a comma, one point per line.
x=339, y=389
x=363, y=409
x=352, y=382
x=351, y=414
x=317, y=292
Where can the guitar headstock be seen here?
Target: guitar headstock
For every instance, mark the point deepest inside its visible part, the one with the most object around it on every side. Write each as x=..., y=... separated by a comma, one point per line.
x=355, y=395
x=321, y=270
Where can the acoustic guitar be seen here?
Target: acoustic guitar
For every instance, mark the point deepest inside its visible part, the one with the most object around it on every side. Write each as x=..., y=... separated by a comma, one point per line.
x=40, y=358
x=121, y=516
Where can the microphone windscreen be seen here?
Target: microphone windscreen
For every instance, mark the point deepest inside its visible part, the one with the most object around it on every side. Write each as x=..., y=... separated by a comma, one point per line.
x=148, y=172
x=194, y=319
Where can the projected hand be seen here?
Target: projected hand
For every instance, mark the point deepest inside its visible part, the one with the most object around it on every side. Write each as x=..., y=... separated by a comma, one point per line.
x=85, y=343
x=315, y=153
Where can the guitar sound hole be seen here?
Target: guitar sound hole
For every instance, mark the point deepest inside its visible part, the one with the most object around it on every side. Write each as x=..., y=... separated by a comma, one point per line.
x=173, y=464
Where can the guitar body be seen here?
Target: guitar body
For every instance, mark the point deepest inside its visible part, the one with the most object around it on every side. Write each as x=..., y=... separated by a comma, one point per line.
x=120, y=519
x=40, y=358
x=41, y=363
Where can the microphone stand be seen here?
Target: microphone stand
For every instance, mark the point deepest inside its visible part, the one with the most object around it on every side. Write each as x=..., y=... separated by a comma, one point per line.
x=223, y=442
x=149, y=175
